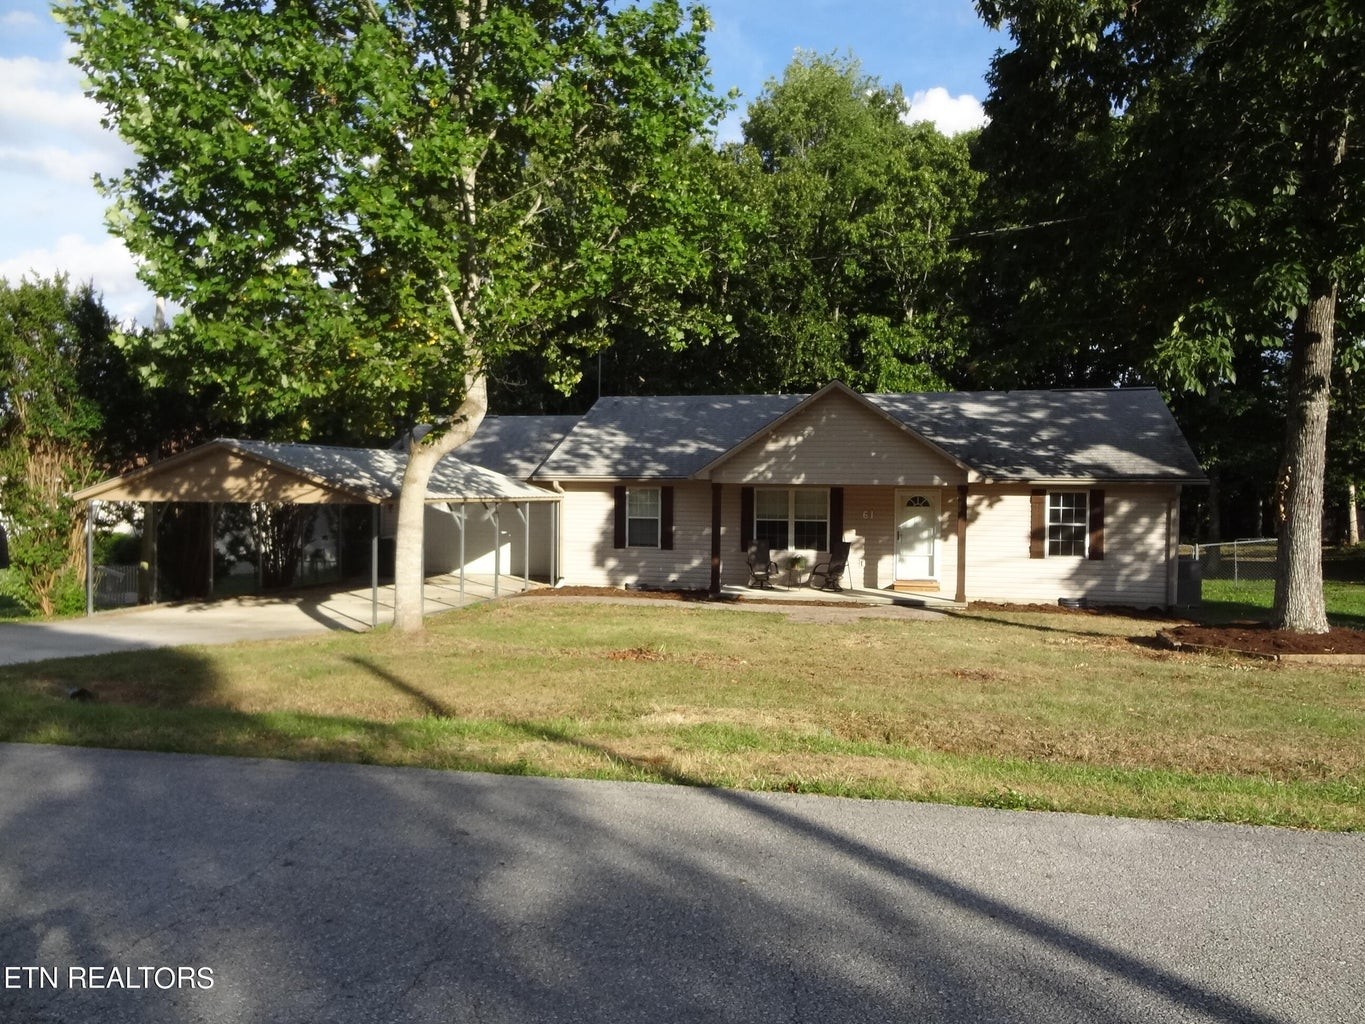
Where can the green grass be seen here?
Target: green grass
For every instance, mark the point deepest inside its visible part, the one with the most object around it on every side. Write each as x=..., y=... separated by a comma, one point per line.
x=1343, y=587
x=1029, y=710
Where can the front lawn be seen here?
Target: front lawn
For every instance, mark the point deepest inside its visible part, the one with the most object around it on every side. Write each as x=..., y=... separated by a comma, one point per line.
x=1009, y=709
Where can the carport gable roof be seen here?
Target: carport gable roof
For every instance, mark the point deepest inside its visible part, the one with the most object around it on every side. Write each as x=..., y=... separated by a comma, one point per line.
x=227, y=470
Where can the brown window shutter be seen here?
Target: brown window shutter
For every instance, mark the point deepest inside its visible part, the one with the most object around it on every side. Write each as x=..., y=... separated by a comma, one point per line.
x=746, y=517
x=666, y=518
x=1097, y=525
x=619, y=517
x=1037, y=536
x=836, y=515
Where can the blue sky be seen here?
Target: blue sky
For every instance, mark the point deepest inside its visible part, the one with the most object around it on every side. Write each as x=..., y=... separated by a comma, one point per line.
x=51, y=141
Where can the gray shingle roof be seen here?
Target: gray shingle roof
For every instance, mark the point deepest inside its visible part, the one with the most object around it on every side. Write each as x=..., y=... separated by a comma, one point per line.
x=669, y=437
x=1119, y=434
x=378, y=473
x=1126, y=434
x=516, y=445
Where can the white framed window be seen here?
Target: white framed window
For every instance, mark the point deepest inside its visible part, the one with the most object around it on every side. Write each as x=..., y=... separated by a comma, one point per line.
x=644, y=512
x=792, y=518
x=1067, y=523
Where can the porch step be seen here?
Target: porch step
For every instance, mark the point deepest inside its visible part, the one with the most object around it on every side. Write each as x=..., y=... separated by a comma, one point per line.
x=915, y=586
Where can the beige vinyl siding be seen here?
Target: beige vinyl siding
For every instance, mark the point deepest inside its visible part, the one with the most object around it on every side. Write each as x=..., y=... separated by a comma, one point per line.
x=589, y=558
x=1132, y=572
x=870, y=526
x=838, y=443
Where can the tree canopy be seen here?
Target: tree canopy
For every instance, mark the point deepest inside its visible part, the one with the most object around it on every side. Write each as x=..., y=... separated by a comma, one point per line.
x=850, y=270
x=58, y=370
x=361, y=207
x=1172, y=185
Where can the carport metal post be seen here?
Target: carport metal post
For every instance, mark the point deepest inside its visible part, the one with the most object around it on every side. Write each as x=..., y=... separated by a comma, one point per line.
x=213, y=523
x=463, y=513
x=90, y=557
x=374, y=566
x=524, y=510
x=497, y=546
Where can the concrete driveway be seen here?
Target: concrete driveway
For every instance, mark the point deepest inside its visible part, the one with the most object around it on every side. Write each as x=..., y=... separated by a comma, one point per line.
x=337, y=893
x=227, y=621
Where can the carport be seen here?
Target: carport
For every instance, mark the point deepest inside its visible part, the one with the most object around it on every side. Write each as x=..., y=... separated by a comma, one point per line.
x=228, y=471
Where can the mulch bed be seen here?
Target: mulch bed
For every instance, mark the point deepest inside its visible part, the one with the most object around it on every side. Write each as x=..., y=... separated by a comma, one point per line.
x=1258, y=638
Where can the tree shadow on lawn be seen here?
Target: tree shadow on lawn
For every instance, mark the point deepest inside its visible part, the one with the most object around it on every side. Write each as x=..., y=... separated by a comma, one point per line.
x=1032, y=929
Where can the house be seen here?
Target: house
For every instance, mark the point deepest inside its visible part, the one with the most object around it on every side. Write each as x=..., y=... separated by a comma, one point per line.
x=1021, y=496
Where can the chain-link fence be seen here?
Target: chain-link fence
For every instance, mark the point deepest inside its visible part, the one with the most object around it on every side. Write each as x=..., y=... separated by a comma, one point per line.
x=1242, y=561
x=115, y=586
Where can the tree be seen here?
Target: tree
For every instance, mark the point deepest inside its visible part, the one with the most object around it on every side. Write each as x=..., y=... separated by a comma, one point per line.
x=1202, y=157
x=851, y=267
x=361, y=207
x=55, y=351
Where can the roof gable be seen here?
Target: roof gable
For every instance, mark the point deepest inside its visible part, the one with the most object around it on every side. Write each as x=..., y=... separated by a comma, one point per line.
x=227, y=470
x=781, y=439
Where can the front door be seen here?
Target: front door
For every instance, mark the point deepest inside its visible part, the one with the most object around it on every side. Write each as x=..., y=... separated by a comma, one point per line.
x=916, y=533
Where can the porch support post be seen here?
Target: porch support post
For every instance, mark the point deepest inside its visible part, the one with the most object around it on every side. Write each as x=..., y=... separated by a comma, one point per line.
x=715, y=538
x=90, y=557
x=961, y=532
x=374, y=566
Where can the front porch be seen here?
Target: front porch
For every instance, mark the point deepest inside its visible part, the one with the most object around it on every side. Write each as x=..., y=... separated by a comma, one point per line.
x=780, y=592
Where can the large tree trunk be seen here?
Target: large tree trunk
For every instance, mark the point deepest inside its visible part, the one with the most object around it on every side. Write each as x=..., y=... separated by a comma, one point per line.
x=408, y=562
x=1298, y=577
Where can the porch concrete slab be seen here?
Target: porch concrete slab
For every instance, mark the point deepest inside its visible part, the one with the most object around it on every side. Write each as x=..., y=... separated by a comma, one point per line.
x=849, y=595
x=230, y=620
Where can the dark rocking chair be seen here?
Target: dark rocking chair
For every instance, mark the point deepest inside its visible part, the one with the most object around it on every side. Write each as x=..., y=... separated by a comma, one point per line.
x=761, y=566
x=831, y=572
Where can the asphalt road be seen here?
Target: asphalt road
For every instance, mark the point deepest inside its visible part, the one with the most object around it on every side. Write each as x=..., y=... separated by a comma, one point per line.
x=316, y=893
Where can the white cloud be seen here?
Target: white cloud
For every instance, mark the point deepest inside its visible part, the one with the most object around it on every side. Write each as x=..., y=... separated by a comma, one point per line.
x=73, y=167
x=15, y=20
x=950, y=114
x=105, y=262
x=41, y=102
